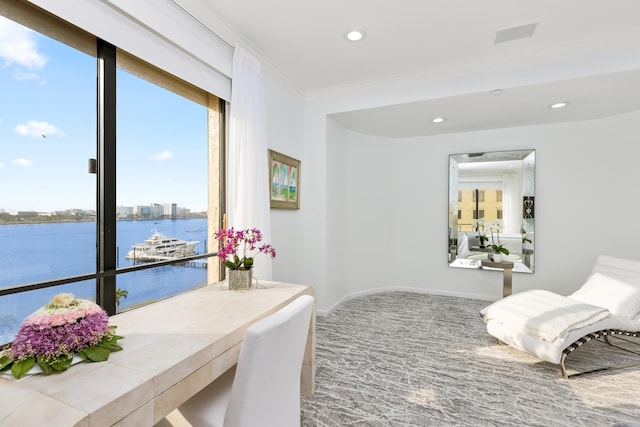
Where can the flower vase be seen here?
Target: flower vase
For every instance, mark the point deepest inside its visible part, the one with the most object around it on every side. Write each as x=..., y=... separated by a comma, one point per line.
x=497, y=257
x=240, y=280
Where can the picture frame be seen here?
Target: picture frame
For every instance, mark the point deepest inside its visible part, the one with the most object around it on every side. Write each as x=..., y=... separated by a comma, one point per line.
x=284, y=181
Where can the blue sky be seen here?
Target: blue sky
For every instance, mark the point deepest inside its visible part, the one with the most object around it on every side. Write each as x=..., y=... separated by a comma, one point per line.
x=48, y=131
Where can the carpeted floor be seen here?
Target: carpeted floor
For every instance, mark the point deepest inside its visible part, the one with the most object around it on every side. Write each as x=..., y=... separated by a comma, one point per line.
x=409, y=359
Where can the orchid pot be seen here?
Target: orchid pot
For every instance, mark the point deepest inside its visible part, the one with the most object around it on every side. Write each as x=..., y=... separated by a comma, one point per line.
x=240, y=280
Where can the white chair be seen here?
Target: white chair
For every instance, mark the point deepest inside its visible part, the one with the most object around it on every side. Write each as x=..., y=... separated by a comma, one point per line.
x=264, y=388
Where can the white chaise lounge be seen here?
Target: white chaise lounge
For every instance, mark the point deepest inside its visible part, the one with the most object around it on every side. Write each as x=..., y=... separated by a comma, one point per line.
x=551, y=326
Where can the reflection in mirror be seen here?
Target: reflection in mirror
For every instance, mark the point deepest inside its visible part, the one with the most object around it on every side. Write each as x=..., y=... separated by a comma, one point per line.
x=491, y=202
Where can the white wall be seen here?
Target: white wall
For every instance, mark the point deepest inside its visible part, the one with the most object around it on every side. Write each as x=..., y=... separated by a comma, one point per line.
x=389, y=201
x=285, y=134
x=356, y=242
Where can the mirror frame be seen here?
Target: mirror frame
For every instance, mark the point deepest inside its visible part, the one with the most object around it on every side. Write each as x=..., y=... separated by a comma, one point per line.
x=460, y=253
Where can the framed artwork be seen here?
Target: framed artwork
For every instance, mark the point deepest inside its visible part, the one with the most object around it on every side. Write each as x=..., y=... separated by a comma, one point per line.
x=284, y=181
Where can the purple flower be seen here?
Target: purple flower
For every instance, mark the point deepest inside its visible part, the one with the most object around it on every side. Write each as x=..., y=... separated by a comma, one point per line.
x=33, y=340
x=234, y=247
x=54, y=333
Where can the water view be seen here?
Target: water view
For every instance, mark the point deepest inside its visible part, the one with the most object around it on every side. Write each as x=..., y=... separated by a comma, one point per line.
x=38, y=252
x=48, y=113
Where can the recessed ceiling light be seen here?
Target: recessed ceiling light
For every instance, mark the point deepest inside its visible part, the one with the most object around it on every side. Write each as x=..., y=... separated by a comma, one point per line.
x=355, y=35
x=558, y=105
x=438, y=120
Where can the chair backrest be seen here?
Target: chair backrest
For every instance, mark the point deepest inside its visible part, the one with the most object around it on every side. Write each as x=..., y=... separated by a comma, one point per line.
x=266, y=388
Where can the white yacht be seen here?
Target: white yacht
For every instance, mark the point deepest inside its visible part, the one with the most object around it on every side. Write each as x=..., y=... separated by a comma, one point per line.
x=161, y=247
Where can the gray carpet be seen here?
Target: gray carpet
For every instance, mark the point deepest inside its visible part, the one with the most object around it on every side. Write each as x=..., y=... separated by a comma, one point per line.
x=409, y=359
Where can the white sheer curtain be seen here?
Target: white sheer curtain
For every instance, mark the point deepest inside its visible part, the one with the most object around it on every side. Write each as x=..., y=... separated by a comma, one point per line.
x=247, y=169
x=511, y=199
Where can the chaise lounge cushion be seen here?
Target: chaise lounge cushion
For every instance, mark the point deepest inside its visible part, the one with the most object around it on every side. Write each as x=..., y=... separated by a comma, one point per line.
x=543, y=314
x=619, y=296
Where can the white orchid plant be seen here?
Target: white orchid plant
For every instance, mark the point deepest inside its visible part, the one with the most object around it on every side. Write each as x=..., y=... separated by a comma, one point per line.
x=496, y=245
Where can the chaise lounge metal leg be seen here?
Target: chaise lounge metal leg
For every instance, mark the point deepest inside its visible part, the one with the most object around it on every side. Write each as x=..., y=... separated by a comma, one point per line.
x=563, y=370
x=604, y=335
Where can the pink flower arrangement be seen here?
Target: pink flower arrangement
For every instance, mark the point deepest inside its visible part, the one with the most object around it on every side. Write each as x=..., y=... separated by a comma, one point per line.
x=230, y=242
x=53, y=334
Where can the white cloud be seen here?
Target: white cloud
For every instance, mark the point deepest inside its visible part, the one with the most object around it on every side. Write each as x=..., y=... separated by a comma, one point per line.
x=22, y=162
x=24, y=76
x=35, y=128
x=1, y=165
x=18, y=46
x=164, y=155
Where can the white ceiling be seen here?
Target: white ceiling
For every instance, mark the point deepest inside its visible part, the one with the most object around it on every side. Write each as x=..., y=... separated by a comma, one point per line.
x=430, y=40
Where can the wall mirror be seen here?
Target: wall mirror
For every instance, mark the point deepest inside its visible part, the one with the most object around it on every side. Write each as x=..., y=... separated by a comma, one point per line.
x=491, y=201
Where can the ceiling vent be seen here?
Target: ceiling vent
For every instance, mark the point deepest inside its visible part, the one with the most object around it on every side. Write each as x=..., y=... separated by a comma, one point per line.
x=515, y=33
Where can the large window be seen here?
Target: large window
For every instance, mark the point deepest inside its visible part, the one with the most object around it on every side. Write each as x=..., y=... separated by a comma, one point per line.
x=153, y=179
x=162, y=187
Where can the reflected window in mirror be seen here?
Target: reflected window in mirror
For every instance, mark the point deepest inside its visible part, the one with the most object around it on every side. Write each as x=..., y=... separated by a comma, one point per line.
x=491, y=201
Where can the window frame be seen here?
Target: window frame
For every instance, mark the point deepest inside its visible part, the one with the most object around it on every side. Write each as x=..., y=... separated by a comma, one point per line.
x=108, y=57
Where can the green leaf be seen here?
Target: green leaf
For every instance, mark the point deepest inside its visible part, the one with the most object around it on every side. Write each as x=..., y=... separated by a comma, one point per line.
x=62, y=363
x=21, y=367
x=109, y=346
x=45, y=366
x=94, y=354
x=248, y=262
x=230, y=265
x=112, y=340
x=5, y=362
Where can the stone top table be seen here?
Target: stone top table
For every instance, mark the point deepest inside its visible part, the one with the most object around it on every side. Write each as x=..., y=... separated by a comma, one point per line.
x=172, y=349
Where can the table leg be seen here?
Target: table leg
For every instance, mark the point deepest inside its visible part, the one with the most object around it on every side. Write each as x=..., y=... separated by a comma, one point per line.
x=308, y=374
x=506, y=286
